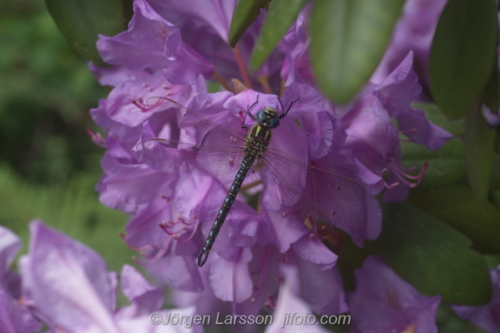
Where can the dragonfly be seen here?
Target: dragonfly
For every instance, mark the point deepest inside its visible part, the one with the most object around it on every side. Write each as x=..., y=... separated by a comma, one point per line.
x=221, y=150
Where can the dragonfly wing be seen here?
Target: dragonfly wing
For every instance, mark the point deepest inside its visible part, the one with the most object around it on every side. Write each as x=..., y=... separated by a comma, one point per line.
x=281, y=195
x=321, y=182
x=195, y=126
x=192, y=158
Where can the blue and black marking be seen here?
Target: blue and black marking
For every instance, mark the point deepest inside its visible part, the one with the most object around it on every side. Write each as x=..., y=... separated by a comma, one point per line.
x=226, y=206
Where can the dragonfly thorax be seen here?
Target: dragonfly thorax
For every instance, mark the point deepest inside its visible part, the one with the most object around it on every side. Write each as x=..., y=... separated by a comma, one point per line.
x=268, y=117
x=258, y=139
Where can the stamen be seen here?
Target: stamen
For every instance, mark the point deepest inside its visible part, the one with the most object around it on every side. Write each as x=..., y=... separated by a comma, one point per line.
x=164, y=197
x=161, y=252
x=400, y=167
x=263, y=80
x=282, y=88
x=271, y=304
x=391, y=186
x=238, y=86
x=401, y=174
x=268, y=306
x=23, y=300
x=241, y=66
x=96, y=138
x=141, y=105
x=172, y=228
x=136, y=248
x=406, y=140
x=223, y=82
x=410, y=130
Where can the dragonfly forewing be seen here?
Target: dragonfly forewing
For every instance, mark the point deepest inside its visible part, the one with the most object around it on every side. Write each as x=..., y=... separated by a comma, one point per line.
x=191, y=158
x=288, y=198
x=195, y=127
x=325, y=183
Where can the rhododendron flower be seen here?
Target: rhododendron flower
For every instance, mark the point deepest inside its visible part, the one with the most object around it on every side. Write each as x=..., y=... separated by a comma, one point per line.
x=383, y=302
x=413, y=32
x=174, y=48
x=66, y=287
x=15, y=315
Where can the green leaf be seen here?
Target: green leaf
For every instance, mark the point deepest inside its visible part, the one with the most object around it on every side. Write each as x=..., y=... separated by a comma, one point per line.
x=462, y=54
x=80, y=22
x=497, y=141
x=491, y=94
x=432, y=256
x=245, y=13
x=446, y=166
x=455, y=205
x=72, y=208
x=280, y=16
x=447, y=320
x=495, y=176
x=351, y=257
x=348, y=39
x=479, y=152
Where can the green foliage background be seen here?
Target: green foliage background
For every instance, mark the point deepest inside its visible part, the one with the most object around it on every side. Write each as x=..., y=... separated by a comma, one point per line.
x=49, y=166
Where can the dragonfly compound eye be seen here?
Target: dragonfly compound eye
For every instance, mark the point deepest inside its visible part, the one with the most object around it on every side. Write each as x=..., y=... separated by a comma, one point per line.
x=273, y=123
x=268, y=117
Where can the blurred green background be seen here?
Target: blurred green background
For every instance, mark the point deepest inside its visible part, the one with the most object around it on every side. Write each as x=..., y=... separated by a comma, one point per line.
x=49, y=166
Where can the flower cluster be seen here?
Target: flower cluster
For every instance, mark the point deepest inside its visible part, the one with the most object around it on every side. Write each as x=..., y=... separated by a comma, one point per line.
x=170, y=50
x=67, y=287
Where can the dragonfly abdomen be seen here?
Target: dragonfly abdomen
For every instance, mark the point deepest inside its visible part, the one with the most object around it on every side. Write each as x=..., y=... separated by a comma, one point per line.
x=246, y=164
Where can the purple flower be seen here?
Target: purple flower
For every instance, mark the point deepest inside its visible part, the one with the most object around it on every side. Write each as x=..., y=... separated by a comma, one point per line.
x=295, y=44
x=204, y=25
x=173, y=195
x=414, y=32
x=492, y=118
x=383, y=302
x=375, y=140
x=292, y=314
x=14, y=315
x=69, y=287
x=486, y=316
x=152, y=43
x=10, y=245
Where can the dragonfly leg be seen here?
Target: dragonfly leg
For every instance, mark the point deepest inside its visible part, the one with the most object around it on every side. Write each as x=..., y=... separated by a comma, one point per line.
x=283, y=108
x=249, y=113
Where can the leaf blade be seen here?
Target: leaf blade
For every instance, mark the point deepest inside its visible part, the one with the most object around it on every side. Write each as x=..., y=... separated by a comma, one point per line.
x=479, y=141
x=280, y=16
x=80, y=22
x=245, y=13
x=462, y=54
x=432, y=256
x=455, y=205
x=348, y=39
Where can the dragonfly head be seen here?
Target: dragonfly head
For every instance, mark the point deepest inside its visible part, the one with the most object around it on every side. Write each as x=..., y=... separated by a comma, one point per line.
x=268, y=117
